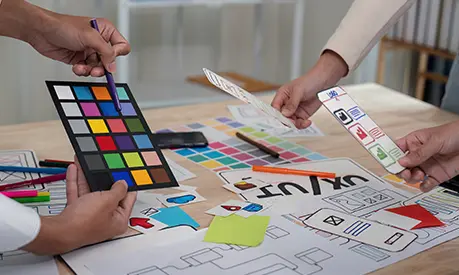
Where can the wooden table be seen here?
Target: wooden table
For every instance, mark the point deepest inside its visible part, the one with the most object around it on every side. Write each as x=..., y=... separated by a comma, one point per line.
x=394, y=112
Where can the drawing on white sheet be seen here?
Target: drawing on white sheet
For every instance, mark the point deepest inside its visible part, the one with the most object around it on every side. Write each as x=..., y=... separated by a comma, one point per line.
x=441, y=202
x=241, y=260
x=15, y=158
x=359, y=199
x=371, y=252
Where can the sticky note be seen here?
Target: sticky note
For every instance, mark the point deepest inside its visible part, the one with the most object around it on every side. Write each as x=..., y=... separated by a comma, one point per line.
x=237, y=230
x=174, y=216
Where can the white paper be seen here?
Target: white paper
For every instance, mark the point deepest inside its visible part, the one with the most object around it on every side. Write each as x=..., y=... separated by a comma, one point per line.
x=180, y=173
x=362, y=128
x=389, y=218
x=78, y=259
x=245, y=185
x=181, y=199
x=48, y=267
x=227, y=208
x=286, y=249
x=249, y=115
x=361, y=230
x=247, y=97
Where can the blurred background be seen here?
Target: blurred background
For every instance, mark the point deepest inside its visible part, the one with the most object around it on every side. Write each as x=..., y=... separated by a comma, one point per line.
x=272, y=41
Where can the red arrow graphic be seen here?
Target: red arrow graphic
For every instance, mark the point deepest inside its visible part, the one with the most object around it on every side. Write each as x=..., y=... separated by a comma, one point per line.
x=142, y=222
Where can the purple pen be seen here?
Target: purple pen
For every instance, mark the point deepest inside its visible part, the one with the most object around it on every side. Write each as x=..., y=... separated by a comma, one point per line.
x=108, y=75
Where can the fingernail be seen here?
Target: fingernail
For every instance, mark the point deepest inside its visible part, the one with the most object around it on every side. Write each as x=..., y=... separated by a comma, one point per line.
x=285, y=112
x=112, y=67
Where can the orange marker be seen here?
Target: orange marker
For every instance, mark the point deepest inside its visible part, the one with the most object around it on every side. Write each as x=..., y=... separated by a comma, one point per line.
x=286, y=171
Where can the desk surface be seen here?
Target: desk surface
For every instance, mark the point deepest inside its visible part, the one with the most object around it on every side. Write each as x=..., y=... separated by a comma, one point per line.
x=396, y=113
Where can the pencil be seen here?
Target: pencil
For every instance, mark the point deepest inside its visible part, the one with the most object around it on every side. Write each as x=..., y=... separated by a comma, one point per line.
x=33, y=199
x=286, y=171
x=50, y=171
x=258, y=145
x=108, y=75
x=53, y=164
x=48, y=179
x=59, y=161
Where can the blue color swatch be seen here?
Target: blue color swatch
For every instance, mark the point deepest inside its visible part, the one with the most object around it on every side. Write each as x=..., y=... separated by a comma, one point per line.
x=143, y=142
x=83, y=93
x=123, y=176
x=108, y=109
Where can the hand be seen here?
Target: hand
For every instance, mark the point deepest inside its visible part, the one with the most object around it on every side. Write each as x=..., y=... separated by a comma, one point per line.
x=71, y=40
x=65, y=38
x=88, y=218
x=433, y=155
x=297, y=100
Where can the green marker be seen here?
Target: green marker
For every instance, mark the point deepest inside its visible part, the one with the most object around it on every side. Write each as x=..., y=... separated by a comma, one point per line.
x=32, y=199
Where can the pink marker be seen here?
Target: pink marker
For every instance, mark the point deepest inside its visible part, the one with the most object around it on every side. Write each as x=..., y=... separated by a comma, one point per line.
x=20, y=194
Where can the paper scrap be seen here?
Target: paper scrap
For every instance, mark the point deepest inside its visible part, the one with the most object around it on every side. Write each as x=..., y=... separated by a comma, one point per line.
x=389, y=218
x=245, y=185
x=181, y=198
x=251, y=116
x=417, y=212
x=180, y=173
x=174, y=216
x=237, y=230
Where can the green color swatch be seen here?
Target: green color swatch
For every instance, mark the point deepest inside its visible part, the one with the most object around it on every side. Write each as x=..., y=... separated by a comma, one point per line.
x=134, y=125
x=114, y=161
x=237, y=230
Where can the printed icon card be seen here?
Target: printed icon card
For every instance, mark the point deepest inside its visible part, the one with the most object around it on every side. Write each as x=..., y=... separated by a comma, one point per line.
x=110, y=145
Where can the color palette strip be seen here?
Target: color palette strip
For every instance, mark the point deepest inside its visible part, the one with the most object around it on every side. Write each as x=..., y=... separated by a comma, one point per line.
x=227, y=152
x=110, y=145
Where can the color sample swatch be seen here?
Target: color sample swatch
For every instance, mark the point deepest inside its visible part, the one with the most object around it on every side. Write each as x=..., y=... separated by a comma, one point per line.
x=237, y=230
x=110, y=145
x=227, y=152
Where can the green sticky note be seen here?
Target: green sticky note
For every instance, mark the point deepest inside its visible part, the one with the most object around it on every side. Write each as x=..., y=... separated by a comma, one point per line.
x=237, y=230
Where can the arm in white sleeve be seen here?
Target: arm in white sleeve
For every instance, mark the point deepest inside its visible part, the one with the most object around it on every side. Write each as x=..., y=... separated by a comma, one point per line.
x=19, y=225
x=363, y=26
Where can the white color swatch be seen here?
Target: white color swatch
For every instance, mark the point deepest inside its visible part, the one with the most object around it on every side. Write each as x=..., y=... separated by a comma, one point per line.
x=362, y=128
x=361, y=230
x=247, y=97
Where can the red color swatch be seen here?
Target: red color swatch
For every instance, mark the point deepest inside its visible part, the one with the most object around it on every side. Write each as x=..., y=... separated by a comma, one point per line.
x=106, y=143
x=116, y=125
x=415, y=211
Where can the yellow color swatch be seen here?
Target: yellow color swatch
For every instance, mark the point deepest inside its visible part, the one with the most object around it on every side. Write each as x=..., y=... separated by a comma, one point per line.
x=141, y=177
x=101, y=93
x=231, y=133
x=98, y=126
x=222, y=127
x=211, y=164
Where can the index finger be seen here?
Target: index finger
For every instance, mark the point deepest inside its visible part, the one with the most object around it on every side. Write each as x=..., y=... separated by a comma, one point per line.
x=279, y=100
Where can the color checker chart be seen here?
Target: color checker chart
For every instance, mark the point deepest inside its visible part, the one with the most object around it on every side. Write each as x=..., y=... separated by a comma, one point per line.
x=227, y=152
x=110, y=145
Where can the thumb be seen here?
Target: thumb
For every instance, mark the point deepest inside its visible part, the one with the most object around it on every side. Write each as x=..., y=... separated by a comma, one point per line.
x=119, y=190
x=292, y=103
x=420, y=155
x=92, y=39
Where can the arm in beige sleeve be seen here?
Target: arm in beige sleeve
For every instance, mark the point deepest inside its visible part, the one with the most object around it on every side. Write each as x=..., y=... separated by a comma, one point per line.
x=363, y=26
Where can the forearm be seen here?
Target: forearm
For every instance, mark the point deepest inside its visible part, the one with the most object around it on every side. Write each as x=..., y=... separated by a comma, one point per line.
x=20, y=19
x=363, y=26
x=55, y=237
x=329, y=69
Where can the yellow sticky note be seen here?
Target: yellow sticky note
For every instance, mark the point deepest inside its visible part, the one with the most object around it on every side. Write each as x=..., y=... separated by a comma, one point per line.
x=237, y=230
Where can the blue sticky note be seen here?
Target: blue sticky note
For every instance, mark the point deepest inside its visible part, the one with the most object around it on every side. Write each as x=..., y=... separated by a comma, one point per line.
x=174, y=216
x=181, y=199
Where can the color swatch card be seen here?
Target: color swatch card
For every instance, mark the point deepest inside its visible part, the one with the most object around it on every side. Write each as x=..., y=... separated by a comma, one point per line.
x=362, y=128
x=361, y=230
x=228, y=152
x=110, y=145
x=247, y=97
